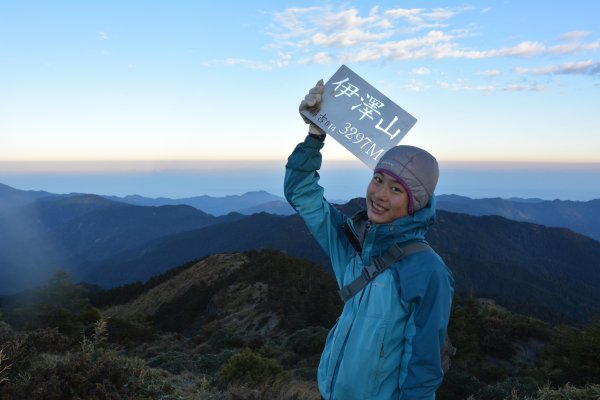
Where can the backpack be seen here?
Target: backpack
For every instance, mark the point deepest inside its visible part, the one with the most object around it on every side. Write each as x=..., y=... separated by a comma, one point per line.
x=394, y=254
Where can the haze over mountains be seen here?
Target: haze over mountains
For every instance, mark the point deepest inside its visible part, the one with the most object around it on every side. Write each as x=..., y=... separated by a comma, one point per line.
x=247, y=203
x=579, y=216
x=553, y=272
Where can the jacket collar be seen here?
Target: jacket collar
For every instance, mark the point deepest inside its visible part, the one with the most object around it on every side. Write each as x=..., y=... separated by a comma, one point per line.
x=411, y=227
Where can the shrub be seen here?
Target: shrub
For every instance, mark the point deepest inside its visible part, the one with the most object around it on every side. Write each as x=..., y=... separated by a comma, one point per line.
x=175, y=362
x=307, y=341
x=47, y=340
x=4, y=367
x=511, y=387
x=224, y=338
x=22, y=350
x=6, y=332
x=306, y=374
x=573, y=356
x=179, y=314
x=97, y=375
x=458, y=384
x=210, y=363
x=298, y=289
x=249, y=367
x=589, y=392
x=492, y=374
x=60, y=303
x=120, y=331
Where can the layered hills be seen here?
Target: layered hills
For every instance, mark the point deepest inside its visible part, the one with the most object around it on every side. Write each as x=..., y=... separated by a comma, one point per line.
x=579, y=216
x=547, y=272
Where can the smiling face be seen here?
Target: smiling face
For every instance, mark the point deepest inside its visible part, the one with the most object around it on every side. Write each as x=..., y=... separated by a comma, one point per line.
x=387, y=200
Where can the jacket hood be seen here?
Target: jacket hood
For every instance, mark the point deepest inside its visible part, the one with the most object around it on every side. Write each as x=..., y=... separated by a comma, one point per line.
x=411, y=227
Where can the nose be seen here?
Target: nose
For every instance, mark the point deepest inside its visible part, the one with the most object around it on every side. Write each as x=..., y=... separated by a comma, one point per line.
x=381, y=193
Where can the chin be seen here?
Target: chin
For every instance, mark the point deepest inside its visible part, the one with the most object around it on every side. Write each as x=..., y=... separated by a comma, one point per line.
x=377, y=218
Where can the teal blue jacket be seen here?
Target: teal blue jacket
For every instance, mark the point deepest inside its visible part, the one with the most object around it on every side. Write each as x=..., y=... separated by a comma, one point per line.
x=386, y=343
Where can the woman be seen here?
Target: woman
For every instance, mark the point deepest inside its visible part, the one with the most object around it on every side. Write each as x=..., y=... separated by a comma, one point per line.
x=386, y=343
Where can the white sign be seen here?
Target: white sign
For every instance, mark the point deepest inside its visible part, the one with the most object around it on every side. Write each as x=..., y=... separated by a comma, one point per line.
x=360, y=117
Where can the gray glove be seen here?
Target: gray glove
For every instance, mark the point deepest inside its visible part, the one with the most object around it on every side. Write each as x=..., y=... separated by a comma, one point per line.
x=312, y=103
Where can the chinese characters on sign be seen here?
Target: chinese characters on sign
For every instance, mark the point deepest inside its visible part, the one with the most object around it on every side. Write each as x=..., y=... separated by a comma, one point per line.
x=361, y=118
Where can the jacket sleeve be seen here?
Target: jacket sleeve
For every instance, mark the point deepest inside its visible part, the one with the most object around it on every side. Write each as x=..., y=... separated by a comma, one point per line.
x=305, y=195
x=431, y=316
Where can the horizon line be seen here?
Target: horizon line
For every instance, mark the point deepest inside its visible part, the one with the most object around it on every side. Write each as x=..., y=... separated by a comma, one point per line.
x=191, y=165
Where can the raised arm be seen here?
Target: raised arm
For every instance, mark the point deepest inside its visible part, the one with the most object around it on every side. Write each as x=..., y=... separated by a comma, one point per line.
x=303, y=192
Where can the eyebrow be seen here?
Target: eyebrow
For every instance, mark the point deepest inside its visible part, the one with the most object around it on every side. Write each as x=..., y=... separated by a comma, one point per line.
x=389, y=177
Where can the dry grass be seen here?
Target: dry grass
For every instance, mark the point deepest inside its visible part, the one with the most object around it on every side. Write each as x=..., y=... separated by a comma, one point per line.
x=207, y=271
x=589, y=392
x=4, y=366
x=281, y=389
x=567, y=392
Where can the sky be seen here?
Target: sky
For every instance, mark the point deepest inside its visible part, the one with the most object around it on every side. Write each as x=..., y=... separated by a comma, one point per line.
x=143, y=87
x=192, y=80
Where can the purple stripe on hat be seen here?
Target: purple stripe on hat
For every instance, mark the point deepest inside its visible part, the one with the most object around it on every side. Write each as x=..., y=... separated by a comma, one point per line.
x=403, y=184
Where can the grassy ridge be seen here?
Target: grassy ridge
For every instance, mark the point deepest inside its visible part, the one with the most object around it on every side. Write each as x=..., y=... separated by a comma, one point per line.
x=255, y=328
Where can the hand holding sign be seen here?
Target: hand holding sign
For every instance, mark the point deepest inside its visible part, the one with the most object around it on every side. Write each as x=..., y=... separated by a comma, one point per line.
x=314, y=96
x=312, y=104
x=357, y=115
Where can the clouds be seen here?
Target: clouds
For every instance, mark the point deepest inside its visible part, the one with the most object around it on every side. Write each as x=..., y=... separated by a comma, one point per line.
x=576, y=35
x=282, y=61
x=589, y=67
x=398, y=34
x=490, y=73
x=338, y=33
x=459, y=85
x=421, y=18
x=527, y=87
x=421, y=71
x=349, y=37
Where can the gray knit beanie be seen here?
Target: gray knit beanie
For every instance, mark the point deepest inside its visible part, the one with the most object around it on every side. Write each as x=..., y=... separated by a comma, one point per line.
x=415, y=169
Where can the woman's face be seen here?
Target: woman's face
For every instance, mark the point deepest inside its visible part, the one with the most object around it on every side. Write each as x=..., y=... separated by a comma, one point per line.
x=386, y=199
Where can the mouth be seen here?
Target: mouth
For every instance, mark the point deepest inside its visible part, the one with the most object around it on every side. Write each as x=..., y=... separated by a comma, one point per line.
x=377, y=208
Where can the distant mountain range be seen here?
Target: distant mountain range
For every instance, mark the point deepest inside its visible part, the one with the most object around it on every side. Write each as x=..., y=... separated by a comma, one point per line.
x=11, y=198
x=579, y=216
x=551, y=272
x=247, y=203
x=76, y=232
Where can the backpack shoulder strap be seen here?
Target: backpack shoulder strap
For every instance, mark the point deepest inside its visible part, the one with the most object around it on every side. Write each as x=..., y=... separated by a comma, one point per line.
x=352, y=238
x=394, y=254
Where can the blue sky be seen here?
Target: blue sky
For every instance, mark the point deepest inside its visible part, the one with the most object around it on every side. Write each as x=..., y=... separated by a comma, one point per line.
x=191, y=80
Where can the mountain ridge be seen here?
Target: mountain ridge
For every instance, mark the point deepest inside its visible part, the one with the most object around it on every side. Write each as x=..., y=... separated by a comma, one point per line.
x=205, y=272
x=552, y=270
x=579, y=216
x=113, y=243
x=212, y=205
x=75, y=232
